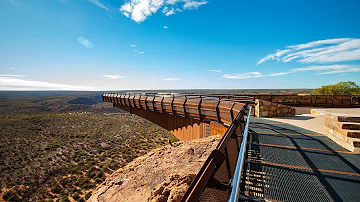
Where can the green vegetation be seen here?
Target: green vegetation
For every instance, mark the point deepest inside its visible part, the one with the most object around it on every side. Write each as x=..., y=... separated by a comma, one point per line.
x=46, y=155
x=341, y=88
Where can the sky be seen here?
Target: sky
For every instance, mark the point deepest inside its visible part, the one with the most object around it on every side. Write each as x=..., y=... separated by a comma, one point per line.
x=177, y=44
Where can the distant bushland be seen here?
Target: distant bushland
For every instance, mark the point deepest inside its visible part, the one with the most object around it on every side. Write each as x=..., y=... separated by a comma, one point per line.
x=51, y=151
x=86, y=100
x=341, y=88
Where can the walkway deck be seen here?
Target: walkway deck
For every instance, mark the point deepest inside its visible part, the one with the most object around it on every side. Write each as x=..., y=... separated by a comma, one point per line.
x=288, y=163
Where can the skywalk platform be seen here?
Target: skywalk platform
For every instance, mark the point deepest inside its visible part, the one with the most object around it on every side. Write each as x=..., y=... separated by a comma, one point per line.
x=289, y=163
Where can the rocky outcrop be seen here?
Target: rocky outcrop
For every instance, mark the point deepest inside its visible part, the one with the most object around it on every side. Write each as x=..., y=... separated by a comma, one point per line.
x=162, y=175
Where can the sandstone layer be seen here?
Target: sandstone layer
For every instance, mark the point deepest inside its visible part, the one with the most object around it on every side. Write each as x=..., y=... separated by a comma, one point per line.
x=164, y=174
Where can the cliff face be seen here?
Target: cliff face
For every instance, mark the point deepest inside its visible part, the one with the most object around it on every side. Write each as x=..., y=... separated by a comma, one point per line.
x=164, y=174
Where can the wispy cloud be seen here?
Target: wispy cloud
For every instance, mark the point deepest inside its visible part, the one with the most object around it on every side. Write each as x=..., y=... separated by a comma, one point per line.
x=318, y=43
x=246, y=75
x=279, y=74
x=329, y=69
x=139, y=10
x=320, y=69
x=215, y=70
x=141, y=52
x=85, y=42
x=136, y=50
x=193, y=4
x=97, y=3
x=340, y=71
x=168, y=11
x=11, y=75
x=14, y=82
x=171, y=79
x=322, y=51
x=113, y=76
x=165, y=27
x=133, y=45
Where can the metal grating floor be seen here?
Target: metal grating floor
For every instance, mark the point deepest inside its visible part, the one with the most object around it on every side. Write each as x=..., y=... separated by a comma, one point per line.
x=288, y=163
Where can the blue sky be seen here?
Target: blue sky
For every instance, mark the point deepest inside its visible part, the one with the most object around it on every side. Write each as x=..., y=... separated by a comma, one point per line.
x=177, y=44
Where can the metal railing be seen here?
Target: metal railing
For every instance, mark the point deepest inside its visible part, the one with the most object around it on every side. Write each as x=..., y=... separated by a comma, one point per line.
x=199, y=107
x=286, y=99
x=235, y=187
x=214, y=180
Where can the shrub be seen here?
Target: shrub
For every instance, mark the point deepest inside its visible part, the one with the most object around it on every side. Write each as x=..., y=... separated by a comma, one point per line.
x=56, y=189
x=76, y=196
x=87, y=195
x=341, y=88
x=7, y=195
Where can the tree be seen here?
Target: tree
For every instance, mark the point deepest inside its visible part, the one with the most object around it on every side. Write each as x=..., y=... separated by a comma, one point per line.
x=341, y=88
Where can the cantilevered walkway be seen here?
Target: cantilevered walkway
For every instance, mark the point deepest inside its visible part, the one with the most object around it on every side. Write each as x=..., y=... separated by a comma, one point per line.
x=288, y=163
x=257, y=159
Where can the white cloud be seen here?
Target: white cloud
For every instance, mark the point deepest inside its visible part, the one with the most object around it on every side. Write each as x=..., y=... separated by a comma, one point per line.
x=321, y=68
x=325, y=69
x=193, y=4
x=113, y=76
x=133, y=45
x=339, y=71
x=274, y=56
x=12, y=82
x=279, y=74
x=171, y=12
x=167, y=11
x=136, y=50
x=171, y=79
x=318, y=43
x=141, y=52
x=322, y=51
x=10, y=75
x=215, y=70
x=85, y=42
x=165, y=27
x=139, y=10
x=247, y=75
x=97, y=3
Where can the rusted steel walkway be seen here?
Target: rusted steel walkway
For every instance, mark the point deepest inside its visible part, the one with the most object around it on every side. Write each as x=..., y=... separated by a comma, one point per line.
x=282, y=162
x=288, y=163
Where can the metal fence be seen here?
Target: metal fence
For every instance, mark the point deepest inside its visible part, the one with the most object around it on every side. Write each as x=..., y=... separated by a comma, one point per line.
x=219, y=178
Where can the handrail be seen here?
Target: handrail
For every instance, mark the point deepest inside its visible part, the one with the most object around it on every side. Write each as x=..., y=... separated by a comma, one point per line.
x=234, y=197
x=207, y=177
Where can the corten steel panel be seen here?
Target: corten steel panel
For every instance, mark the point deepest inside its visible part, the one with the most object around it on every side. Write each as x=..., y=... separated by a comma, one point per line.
x=122, y=98
x=197, y=122
x=126, y=99
x=117, y=99
x=150, y=102
x=167, y=104
x=178, y=105
x=183, y=128
x=143, y=102
x=207, y=109
x=217, y=129
x=157, y=101
x=132, y=101
x=114, y=98
x=192, y=107
x=137, y=100
x=111, y=98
